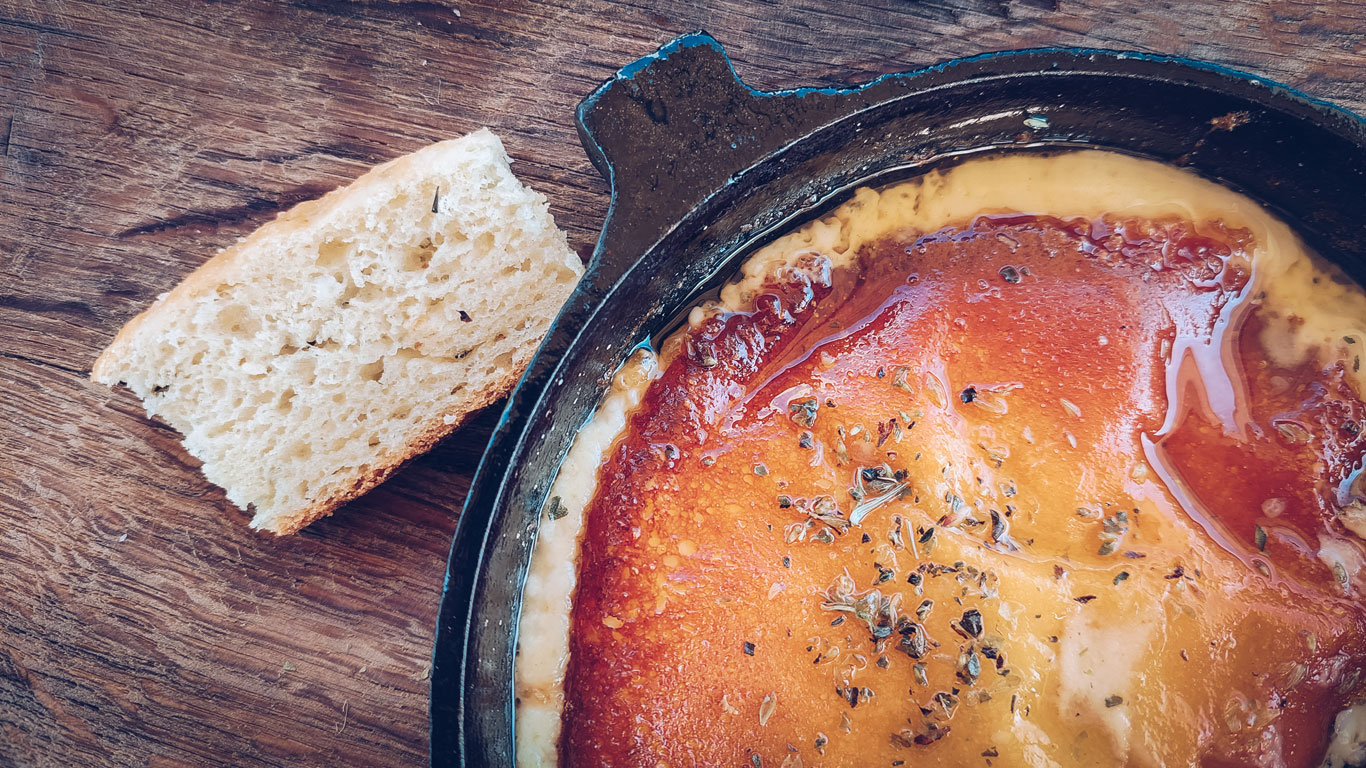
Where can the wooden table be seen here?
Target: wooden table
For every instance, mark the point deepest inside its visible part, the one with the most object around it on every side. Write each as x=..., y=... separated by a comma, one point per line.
x=141, y=622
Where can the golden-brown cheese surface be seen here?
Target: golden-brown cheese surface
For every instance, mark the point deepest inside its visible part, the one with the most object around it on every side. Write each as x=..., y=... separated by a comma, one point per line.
x=1024, y=491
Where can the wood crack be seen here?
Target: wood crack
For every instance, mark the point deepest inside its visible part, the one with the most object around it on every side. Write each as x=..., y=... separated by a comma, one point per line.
x=232, y=215
x=44, y=29
x=438, y=17
x=44, y=364
x=42, y=307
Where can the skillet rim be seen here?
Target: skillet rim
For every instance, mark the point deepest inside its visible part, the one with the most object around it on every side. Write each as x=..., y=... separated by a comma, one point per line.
x=452, y=662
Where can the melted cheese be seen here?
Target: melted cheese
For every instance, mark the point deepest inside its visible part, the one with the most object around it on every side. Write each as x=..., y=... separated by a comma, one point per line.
x=1089, y=184
x=543, y=632
x=1348, y=747
x=1309, y=313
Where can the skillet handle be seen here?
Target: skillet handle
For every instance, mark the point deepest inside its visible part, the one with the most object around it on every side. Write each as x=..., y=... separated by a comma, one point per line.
x=673, y=129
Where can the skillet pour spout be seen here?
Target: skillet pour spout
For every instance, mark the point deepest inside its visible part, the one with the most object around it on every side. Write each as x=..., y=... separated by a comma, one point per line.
x=704, y=169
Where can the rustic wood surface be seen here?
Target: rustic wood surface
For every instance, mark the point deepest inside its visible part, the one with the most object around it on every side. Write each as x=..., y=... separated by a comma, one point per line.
x=141, y=622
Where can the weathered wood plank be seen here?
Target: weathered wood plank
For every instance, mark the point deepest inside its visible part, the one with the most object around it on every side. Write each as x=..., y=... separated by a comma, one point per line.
x=141, y=623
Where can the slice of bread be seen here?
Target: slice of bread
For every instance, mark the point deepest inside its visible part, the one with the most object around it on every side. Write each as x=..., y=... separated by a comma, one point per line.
x=307, y=362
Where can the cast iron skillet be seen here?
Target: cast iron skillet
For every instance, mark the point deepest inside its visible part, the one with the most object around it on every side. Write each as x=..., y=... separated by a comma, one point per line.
x=704, y=168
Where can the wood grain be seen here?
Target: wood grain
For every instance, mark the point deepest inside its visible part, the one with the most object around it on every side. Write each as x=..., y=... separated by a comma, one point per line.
x=141, y=623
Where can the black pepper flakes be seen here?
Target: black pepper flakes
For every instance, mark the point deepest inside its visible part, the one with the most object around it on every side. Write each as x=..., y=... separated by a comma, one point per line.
x=933, y=732
x=926, y=539
x=749, y=648
x=803, y=412
x=923, y=612
x=948, y=702
x=705, y=354
x=971, y=668
x=1000, y=530
x=850, y=695
x=968, y=395
x=914, y=642
x=888, y=429
x=972, y=622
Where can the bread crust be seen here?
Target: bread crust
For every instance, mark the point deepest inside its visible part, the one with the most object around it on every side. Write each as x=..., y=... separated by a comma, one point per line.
x=427, y=439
